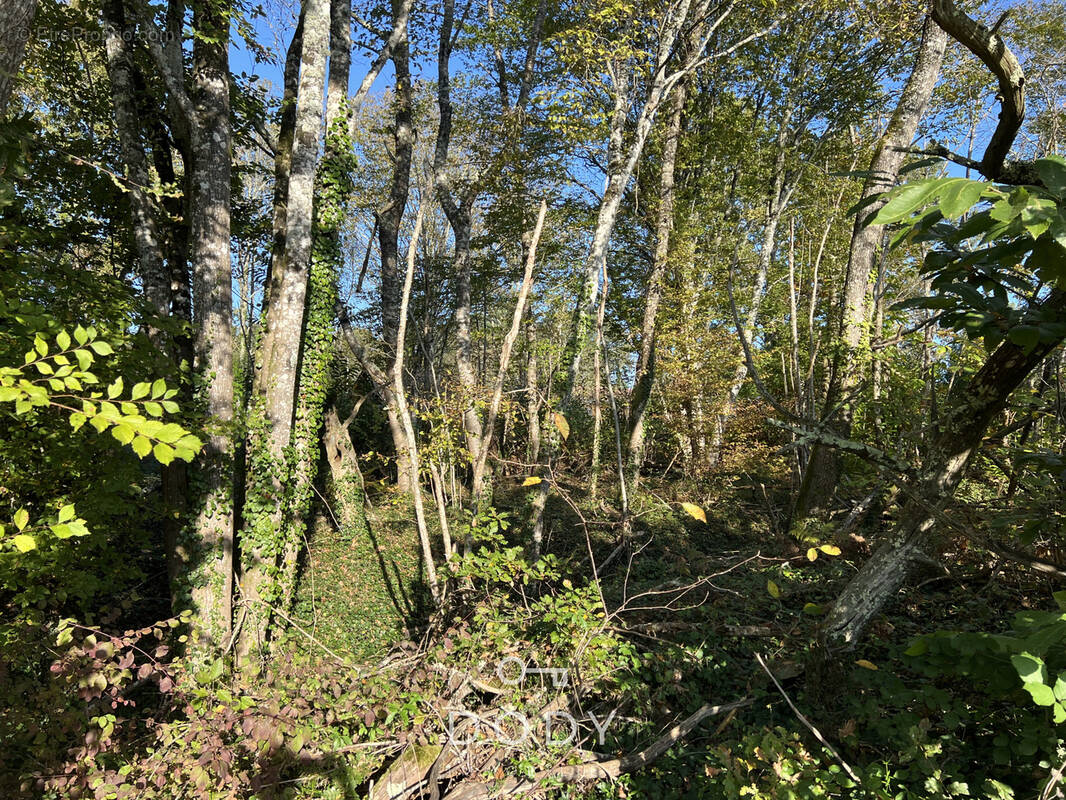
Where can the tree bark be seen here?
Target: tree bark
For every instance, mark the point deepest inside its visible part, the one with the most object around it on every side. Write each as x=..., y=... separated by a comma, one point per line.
x=823, y=472
x=18, y=16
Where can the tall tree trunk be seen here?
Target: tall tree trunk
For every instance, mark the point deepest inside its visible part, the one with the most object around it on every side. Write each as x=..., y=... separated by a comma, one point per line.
x=211, y=570
x=664, y=223
x=972, y=407
x=389, y=219
x=597, y=394
x=18, y=18
x=273, y=413
x=845, y=378
x=332, y=192
x=348, y=487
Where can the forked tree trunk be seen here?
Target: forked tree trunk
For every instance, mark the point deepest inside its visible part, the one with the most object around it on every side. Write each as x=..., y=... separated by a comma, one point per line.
x=972, y=407
x=823, y=472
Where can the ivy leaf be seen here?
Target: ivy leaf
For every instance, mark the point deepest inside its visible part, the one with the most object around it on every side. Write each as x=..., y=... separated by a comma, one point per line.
x=695, y=512
x=24, y=543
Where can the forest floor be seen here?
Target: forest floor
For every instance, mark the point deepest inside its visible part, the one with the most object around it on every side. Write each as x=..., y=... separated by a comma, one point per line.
x=697, y=605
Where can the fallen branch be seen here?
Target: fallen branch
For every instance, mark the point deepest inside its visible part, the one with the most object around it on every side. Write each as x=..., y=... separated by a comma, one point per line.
x=810, y=726
x=595, y=770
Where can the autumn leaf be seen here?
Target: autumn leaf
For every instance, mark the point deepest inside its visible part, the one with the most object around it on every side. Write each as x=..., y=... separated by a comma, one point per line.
x=562, y=425
x=532, y=480
x=695, y=512
x=812, y=554
x=862, y=662
x=829, y=550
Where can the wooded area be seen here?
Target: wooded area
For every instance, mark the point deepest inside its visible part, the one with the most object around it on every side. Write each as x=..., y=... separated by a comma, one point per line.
x=496, y=398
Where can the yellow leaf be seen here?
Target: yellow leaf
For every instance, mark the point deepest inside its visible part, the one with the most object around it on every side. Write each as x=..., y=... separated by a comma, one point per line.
x=695, y=512
x=562, y=425
x=830, y=549
x=24, y=543
x=532, y=480
x=862, y=662
x=774, y=590
x=812, y=554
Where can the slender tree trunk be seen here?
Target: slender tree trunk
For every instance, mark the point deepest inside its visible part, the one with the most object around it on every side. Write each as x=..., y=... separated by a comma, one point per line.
x=18, y=16
x=532, y=392
x=645, y=374
x=275, y=388
x=389, y=219
x=597, y=393
x=972, y=407
x=845, y=378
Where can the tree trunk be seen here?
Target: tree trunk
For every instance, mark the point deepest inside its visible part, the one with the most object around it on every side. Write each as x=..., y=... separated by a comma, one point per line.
x=151, y=269
x=275, y=391
x=18, y=18
x=348, y=487
x=645, y=374
x=389, y=219
x=845, y=379
x=972, y=407
x=211, y=569
x=532, y=392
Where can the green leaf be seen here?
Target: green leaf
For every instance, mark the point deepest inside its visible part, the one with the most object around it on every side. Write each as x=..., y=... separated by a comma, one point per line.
x=907, y=199
x=1031, y=669
x=154, y=409
x=63, y=340
x=1052, y=171
x=22, y=519
x=163, y=453
x=141, y=446
x=115, y=389
x=1025, y=336
x=123, y=432
x=960, y=196
x=101, y=348
x=81, y=336
x=66, y=513
x=24, y=543
x=774, y=590
x=1042, y=694
x=140, y=390
x=159, y=387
